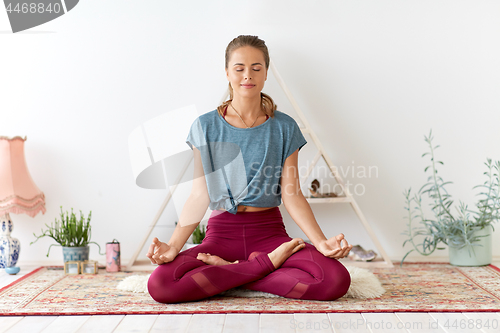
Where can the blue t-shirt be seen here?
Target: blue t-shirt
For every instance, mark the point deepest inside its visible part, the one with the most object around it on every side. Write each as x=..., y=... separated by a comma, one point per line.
x=244, y=165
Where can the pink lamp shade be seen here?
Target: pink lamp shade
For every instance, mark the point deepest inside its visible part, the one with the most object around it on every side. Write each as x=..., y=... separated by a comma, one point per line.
x=18, y=193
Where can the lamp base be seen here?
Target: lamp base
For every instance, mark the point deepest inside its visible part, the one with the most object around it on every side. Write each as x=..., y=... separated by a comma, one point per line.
x=12, y=270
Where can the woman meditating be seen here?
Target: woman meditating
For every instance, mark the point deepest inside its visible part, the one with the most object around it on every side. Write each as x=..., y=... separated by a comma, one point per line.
x=245, y=164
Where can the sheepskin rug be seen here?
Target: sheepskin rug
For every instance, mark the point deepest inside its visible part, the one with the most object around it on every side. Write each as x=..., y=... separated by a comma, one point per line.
x=364, y=284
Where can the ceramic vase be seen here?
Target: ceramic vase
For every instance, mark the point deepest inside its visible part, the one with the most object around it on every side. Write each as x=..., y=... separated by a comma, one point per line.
x=9, y=246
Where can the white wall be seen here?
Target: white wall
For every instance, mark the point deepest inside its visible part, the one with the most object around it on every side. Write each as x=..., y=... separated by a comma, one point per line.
x=372, y=77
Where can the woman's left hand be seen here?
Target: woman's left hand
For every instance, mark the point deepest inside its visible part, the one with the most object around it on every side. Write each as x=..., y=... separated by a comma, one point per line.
x=333, y=247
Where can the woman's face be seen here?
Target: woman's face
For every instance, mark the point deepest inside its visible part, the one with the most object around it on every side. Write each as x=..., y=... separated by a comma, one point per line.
x=246, y=71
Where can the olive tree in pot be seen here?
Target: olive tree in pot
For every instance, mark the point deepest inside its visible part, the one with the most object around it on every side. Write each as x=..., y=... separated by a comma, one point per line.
x=467, y=234
x=72, y=234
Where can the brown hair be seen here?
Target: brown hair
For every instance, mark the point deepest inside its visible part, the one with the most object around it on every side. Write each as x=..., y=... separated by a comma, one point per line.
x=267, y=105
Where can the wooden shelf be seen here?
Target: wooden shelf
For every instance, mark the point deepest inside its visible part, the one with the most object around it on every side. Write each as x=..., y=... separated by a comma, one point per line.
x=328, y=200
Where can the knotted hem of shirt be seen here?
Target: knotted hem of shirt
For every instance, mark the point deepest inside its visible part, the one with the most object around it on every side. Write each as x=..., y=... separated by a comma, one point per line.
x=231, y=205
x=233, y=210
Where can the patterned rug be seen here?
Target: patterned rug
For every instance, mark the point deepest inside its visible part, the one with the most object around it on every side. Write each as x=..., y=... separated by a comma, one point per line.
x=416, y=287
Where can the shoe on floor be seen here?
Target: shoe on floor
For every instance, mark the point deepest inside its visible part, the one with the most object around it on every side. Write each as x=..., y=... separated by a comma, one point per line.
x=357, y=253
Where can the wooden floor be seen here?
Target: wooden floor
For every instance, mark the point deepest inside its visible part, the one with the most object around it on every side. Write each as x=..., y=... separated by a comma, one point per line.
x=241, y=323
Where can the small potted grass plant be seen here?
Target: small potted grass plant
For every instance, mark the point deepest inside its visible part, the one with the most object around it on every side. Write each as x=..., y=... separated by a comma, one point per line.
x=72, y=234
x=197, y=236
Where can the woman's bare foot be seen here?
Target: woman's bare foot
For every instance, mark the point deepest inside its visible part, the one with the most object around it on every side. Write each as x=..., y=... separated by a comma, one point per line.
x=285, y=250
x=212, y=259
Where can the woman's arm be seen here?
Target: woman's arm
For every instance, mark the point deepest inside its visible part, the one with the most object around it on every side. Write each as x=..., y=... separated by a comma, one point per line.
x=301, y=212
x=295, y=202
x=195, y=207
x=192, y=213
x=182, y=232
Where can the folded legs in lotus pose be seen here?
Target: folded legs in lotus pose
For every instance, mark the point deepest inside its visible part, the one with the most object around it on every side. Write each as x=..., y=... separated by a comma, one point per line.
x=251, y=250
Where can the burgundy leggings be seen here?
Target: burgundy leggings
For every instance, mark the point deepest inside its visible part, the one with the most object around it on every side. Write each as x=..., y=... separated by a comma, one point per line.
x=248, y=237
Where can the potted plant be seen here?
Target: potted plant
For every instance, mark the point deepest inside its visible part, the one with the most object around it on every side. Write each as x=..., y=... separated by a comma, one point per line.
x=72, y=234
x=467, y=233
x=197, y=236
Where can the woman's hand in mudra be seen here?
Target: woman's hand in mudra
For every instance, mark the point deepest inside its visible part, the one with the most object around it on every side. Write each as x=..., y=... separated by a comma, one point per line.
x=160, y=253
x=333, y=247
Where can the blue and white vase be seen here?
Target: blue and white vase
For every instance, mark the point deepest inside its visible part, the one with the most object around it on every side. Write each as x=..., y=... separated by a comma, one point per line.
x=9, y=247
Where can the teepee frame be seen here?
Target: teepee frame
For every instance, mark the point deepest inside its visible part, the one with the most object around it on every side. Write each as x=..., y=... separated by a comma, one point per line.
x=384, y=261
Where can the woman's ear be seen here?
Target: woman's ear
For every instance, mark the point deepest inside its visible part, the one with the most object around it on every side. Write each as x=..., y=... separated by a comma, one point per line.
x=227, y=74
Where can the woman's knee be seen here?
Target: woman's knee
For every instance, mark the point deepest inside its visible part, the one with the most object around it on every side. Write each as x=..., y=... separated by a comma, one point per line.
x=337, y=279
x=155, y=285
x=169, y=283
x=160, y=284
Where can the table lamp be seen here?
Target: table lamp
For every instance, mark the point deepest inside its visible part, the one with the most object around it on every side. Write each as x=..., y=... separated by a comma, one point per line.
x=18, y=194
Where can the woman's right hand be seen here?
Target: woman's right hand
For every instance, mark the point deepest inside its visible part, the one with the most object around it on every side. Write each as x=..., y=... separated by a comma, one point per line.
x=160, y=253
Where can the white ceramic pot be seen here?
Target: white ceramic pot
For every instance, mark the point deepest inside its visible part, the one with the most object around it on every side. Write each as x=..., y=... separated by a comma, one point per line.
x=480, y=255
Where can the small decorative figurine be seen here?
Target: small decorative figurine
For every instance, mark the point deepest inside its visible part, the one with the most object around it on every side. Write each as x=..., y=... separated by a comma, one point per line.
x=314, y=190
